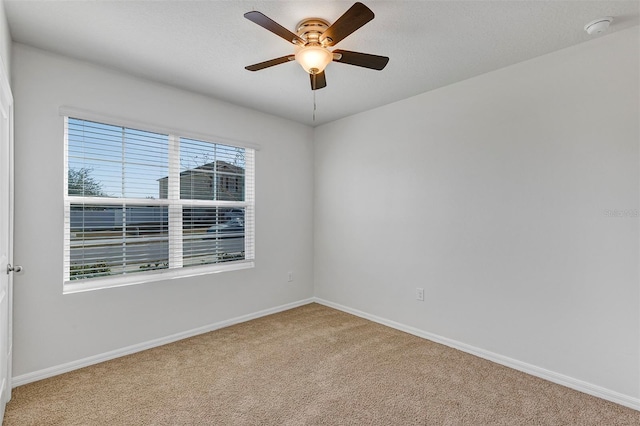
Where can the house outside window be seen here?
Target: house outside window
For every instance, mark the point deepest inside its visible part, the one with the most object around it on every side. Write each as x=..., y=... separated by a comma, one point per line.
x=143, y=206
x=218, y=180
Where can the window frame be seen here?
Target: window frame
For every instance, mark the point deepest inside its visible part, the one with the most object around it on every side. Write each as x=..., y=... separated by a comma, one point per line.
x=175, y=270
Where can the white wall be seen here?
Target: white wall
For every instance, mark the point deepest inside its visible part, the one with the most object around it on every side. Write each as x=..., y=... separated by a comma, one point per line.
x=51, y=329
x=5, y=41
x=492, y=195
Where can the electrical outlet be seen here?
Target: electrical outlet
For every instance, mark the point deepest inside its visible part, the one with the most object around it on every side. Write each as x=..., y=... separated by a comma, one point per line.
x=290, y=278
x=420, y=294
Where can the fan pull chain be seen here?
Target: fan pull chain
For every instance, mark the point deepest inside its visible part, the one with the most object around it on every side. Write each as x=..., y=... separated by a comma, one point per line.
x=314, y=105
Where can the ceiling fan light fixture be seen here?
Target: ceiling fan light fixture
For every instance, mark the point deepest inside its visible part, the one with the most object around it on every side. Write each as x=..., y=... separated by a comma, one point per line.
x=314, y=59
x=314, y=38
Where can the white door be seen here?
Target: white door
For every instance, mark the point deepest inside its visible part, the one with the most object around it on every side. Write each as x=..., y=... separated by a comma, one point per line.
x=6, y=237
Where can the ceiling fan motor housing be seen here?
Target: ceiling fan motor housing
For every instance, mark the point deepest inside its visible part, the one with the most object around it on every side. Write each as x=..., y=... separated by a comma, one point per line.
x=311, y=29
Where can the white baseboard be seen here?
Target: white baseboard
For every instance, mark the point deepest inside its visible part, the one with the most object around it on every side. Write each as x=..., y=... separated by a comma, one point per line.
x=23, y=379
x=561, y=379
x=543, y=373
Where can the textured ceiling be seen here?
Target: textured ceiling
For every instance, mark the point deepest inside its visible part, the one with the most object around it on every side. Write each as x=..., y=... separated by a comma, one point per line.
x=203, y=46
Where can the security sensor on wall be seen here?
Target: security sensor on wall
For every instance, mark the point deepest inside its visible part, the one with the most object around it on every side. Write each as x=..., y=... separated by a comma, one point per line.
x=598, y=26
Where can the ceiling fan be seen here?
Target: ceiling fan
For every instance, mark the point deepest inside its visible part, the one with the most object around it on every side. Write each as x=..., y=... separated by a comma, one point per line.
x=314, y=36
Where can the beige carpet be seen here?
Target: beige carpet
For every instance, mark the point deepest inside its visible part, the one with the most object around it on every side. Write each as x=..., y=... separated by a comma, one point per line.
x=308, y=366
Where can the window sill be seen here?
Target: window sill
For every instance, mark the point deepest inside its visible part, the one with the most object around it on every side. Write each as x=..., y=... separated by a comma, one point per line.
x=79, y=286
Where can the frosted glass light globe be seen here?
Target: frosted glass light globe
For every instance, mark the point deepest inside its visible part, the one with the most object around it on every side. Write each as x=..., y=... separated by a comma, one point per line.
x=314, y=59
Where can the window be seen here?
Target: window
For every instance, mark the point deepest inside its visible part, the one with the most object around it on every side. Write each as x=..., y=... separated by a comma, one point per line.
x=141, y=205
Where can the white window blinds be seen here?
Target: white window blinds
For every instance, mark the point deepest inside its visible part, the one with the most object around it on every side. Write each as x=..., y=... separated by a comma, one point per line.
x=141, y=202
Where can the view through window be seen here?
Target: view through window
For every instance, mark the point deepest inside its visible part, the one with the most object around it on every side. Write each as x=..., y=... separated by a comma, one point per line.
x=139, y=201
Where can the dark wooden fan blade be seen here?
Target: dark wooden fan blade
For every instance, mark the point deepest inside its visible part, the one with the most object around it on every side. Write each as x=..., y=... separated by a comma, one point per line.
x=351, y=20
x=270, y=63
x=271, y=25
x=365, y=60
x=318, y=81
